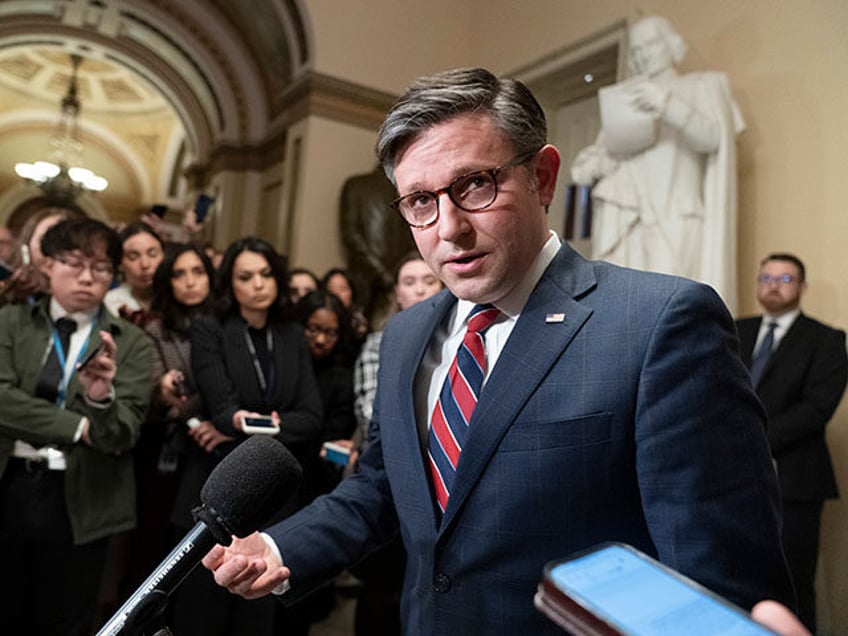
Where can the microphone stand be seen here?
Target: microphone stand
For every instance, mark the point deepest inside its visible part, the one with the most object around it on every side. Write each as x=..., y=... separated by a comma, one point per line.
x=145, y=614
x=148, y=603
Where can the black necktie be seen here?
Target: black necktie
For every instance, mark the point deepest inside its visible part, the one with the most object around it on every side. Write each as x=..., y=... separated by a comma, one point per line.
x=52, y=372
x=758, y=364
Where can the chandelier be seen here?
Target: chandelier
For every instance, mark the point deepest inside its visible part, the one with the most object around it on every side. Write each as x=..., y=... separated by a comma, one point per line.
x=64, y=178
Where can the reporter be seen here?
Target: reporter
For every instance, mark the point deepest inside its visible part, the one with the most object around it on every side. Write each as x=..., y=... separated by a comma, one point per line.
x=249, y=360
x=67, y=480
x=143, y=251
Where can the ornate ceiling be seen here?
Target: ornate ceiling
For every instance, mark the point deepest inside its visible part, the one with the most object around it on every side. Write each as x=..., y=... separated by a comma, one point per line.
x=164, y=86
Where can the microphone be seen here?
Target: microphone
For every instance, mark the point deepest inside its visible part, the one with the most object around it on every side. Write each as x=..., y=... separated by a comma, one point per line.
x=245, y=489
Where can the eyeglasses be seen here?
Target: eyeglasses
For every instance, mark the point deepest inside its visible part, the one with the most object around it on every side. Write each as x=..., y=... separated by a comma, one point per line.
x=768, y=279
x=470, y=192
x=100, y=271
x=313, y=331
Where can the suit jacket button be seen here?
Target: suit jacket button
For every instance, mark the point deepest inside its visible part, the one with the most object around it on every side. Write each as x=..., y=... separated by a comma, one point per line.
x=441, y=582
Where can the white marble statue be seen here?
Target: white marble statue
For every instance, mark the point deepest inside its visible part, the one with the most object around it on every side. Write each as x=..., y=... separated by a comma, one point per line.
x=666, y=160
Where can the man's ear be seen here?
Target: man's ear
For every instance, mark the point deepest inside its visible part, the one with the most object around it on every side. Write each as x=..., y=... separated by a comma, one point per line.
x=46, y=265
x=547, y=170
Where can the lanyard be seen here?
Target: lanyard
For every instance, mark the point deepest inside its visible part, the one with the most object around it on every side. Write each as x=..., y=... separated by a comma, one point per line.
x=265, y=386
x=60, y=354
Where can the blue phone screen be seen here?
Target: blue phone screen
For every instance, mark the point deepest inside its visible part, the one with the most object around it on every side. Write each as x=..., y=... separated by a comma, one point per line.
x=640, y=598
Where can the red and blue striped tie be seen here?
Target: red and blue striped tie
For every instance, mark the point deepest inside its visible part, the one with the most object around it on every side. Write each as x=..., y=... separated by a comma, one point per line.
x=457, y=400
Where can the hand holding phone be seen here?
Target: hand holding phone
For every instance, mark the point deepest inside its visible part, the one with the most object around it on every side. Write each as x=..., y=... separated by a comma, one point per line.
x=201, y=207
x=615, y=590
x=90, y=356
x=259, y=425
x=336, y=453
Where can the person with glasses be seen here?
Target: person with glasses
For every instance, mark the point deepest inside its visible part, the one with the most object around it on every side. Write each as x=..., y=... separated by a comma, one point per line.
x=67, y=424
x=799, y=369
x=539, y=405
x=326, y=325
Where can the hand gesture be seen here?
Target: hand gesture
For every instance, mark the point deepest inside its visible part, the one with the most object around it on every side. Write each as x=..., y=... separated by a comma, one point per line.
x=648, y=97
x=98, y=375
x=247, y=567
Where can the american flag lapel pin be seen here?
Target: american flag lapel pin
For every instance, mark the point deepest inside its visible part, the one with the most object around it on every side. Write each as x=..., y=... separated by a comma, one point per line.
x=554, y=318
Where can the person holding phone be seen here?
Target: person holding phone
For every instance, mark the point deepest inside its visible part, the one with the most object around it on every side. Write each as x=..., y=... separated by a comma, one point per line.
x=539, y=405
x=247, y=361
x=66, y=431
x=326, y=325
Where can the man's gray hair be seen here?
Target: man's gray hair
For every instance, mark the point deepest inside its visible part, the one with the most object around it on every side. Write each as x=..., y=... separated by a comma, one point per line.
x=435, y=99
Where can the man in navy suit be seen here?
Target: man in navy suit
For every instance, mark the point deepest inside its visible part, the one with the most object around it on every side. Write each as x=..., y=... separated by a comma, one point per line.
x=614, y=404
x=800, y=379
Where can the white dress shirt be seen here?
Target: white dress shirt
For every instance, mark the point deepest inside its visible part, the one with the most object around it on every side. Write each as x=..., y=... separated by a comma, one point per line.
x=447, y=338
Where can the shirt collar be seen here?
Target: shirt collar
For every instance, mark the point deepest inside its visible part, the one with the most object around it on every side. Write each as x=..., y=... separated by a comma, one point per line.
x=513, y=303
x=82, y=318
x=784, y=321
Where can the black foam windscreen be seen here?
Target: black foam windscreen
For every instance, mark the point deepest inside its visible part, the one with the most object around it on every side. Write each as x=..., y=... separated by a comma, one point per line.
x=248, y=486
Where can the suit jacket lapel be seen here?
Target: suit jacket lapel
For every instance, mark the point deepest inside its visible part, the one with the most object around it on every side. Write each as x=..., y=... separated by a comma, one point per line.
x=418, y=342
x=533, y=347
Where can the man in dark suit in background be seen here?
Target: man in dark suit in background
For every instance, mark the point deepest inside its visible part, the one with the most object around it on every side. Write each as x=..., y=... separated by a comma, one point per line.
x=799, y=369
x=614, y=405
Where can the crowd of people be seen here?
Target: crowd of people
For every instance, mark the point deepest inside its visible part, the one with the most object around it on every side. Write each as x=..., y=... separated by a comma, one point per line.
x=205, y=347
x=538, y=405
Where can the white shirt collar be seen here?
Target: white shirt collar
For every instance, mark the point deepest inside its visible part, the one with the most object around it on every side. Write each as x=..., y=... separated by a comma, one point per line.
x=513, y=303
x=82, y=318
x=784, y=321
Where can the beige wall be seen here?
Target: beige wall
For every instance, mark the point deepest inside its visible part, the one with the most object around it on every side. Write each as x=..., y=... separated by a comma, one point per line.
x=787, y=61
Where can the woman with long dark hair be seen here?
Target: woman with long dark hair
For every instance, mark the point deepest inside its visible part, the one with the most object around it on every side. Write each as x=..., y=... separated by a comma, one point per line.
x=249, y=361
x=167, y=461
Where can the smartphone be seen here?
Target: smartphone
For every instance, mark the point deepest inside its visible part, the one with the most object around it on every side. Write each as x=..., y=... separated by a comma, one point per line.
x=337, y=454
x=613, y=589
x=259, y=425
x=159, y=210
x=25, y=257
x=5, y=272
x=90, y=356
x=201, y=207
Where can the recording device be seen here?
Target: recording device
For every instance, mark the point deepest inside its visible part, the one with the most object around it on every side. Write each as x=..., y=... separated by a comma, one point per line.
x=259, y=425
x=201, y=207
x=159, y=210
x=615, y=590
x=243, y=492
x=26, y=259
x=90, y=356
x=337, y=454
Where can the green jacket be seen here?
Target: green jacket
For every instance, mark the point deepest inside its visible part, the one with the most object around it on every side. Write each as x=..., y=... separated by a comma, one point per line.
x=99, y=480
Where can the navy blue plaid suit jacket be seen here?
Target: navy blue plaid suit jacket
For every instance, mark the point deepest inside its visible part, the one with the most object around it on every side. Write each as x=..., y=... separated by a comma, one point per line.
x=631, y=420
